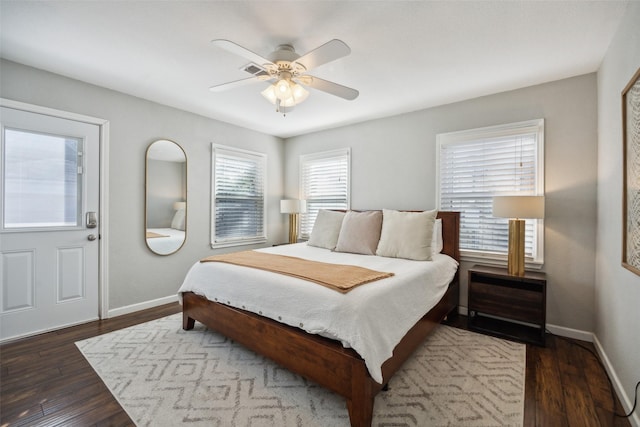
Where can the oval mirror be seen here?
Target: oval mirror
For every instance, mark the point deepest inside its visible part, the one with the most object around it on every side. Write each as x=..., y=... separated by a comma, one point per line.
x=165, y=197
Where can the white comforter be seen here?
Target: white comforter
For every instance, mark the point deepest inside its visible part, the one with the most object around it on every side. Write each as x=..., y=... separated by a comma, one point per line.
x=371, y=319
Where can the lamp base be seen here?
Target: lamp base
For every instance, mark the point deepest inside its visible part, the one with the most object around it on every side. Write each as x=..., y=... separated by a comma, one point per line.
x=293, y=228
x=515, y=257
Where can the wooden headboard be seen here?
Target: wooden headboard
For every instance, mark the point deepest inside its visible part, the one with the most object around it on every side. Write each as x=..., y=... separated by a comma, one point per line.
x=450, y=233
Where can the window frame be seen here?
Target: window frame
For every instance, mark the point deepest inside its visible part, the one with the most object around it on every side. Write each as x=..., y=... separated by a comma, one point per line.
x=337, y=153
x=219, y=149
x=494, y=132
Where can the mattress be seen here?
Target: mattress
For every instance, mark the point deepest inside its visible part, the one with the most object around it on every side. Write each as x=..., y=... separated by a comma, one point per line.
x=371, y=319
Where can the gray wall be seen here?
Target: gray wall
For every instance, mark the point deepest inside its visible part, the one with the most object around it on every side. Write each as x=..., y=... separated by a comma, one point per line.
x=135, y=274
x=393, y=166
x=617, y=293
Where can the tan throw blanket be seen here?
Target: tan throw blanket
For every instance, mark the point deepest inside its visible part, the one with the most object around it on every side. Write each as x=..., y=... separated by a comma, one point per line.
x=339, y=277
x=151, y=234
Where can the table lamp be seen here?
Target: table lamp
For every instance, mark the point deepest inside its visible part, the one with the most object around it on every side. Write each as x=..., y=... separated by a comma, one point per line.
x=516, y=208
x=293, y=207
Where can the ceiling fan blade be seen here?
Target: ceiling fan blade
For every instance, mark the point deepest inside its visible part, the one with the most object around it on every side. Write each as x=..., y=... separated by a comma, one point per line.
x=328, y=52
x=329, y=87
x=236, y=49
x=237, y=83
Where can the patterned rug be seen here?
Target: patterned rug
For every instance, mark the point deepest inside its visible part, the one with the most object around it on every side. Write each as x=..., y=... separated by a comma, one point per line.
x=164, y=376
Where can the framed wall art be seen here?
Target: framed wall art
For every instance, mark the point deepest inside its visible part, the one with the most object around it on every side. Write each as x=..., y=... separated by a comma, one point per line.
x=631, y=174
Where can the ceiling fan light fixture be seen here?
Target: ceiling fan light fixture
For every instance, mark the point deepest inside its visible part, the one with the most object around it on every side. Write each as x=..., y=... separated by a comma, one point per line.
x=285, y=93
x=270, y=94
x=283, y=89
x=299, y=93
x=288, y=70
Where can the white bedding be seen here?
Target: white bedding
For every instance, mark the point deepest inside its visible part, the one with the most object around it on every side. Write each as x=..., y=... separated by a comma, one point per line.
x=165, y=245
x=371, y=319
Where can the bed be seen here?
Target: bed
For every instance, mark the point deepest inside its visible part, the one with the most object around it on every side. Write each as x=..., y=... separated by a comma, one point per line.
x=321, y=356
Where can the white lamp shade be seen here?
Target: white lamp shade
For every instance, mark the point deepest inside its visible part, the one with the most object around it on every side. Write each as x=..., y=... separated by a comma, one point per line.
x=523, y=207
x=293, y=206
x=179, y=205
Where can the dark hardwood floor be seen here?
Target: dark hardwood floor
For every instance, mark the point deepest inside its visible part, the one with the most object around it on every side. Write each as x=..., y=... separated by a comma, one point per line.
x=45, y=381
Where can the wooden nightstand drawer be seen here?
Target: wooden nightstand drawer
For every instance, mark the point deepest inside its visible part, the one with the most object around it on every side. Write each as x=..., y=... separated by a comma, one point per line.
x=495, y=299
x=513, y=303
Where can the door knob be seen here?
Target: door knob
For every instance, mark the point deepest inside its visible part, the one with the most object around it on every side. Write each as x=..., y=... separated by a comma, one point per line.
x=91, y=237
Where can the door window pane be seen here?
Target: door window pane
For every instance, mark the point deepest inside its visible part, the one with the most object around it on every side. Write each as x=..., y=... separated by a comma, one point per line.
x=41, y=180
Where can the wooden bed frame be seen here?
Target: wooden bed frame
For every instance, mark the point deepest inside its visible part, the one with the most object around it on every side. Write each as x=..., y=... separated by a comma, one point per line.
x=323, y=360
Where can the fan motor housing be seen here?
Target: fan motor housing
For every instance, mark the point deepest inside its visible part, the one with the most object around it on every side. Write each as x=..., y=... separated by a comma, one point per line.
x=283, y=53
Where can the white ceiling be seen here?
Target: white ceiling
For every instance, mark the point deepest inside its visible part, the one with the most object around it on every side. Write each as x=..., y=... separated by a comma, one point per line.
x=406, y=55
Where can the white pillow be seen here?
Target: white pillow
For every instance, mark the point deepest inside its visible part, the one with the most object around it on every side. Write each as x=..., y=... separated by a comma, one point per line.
x=407, y=234
x=177, y=223
x=326, y=229
x=360, y=232
x=436, y=240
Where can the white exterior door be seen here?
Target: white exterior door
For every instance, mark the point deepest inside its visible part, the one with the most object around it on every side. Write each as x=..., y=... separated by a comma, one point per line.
x=49, y=238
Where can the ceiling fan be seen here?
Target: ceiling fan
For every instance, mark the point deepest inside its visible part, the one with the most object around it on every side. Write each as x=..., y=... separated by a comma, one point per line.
x=287, y=72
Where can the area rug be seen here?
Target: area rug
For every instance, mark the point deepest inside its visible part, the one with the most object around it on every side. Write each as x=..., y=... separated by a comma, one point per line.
x=164, y=376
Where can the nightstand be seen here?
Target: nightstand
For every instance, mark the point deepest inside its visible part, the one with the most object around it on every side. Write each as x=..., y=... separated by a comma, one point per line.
x=507, y=306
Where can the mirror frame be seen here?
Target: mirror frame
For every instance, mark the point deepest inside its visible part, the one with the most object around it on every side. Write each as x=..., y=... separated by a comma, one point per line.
x=146, y=196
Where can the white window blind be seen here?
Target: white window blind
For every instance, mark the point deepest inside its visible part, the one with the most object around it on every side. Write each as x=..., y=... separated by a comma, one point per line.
x=324, y=183
x=475, y=166
x=238, y=205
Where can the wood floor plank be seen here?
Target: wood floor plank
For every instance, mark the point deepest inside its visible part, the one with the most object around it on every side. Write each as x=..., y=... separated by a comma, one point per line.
x=21, y=415
x=579, y=403
x=30, y=378
x=580, y=409
x=62, y=400
x=601, y=389
x=100, y=409
x=530, y=389
x=550, y=404
x=42, y=377
x=75, y=410
x=120, y=419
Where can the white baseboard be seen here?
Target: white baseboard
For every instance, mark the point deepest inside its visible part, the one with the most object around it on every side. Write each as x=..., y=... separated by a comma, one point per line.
x=141, y=306
x=554, y=329
x=570, y=333
x=625, y=400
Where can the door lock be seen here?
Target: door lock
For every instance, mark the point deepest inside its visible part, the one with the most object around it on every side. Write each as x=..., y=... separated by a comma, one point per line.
x=91, y=237
x=92, y=220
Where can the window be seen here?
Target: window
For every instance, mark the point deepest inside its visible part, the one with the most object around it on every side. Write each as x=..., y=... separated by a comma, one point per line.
x=238, y=206
x=474, y=166
x=42, y=180
x=324, y=184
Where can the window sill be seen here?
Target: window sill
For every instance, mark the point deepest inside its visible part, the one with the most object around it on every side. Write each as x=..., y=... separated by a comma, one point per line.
x=238, y=243
x=497, y=260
